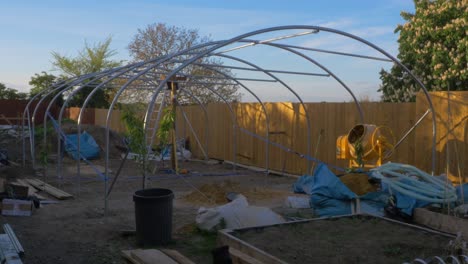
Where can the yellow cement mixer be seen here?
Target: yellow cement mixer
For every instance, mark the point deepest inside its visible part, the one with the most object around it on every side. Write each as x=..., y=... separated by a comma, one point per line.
x=365, y=146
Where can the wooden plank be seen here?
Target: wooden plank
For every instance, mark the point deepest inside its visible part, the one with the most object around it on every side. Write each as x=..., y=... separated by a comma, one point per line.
x=224, y=238
x=240, y=258
x=441, y=222
x=150, y=256
x=127, y=255
x=175, y=255
x=57, y=193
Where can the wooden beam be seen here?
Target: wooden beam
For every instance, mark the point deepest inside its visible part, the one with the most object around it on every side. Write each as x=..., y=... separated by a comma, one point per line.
x=57, y=193
x=175, y=255
x=441, y=222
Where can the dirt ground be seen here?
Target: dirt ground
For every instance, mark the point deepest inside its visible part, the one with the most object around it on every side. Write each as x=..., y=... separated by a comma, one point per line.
x=76, y=231
x=351, y=240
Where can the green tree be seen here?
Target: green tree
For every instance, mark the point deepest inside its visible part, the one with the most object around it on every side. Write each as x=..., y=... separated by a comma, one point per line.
x=433, y=44
x=160, y=39
x=91, y=59
x=41, y=82
x=11, y=94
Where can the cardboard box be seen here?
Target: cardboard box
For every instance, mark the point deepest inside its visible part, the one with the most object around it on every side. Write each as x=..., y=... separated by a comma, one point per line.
x=16, y=207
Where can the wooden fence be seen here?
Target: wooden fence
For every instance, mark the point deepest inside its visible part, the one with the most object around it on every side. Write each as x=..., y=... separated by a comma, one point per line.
x=11, y=111
x=451, y=135
x=288, y=127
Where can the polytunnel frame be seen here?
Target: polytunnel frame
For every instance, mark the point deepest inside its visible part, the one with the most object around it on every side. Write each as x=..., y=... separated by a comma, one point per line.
x=240, y=37
x=68, y=84
x=215, y=46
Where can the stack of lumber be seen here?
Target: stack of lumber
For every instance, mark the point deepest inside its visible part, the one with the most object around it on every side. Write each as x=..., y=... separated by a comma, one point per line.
x=55, y=192
x=149, y=256
x=32, y=188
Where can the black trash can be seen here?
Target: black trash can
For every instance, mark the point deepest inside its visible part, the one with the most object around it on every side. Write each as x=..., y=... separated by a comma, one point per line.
x=153, y=216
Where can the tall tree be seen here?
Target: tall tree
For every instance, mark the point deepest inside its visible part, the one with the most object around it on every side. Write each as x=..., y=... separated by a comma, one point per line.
x=433, y=44
x=159, y=39
x=91, y=59
x=11, y=94
x=41, y=82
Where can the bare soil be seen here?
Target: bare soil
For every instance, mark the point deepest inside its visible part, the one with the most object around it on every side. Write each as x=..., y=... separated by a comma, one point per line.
x=358, y=239
x=77, y=231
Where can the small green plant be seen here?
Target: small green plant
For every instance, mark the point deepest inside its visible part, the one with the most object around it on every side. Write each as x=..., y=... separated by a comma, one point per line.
x=165, y=126
x=43, y=155
x=136, y=135
x=359, y=152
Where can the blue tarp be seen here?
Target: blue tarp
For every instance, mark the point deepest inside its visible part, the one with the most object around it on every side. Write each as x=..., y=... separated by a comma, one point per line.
x=330, y=197
x=405, y=203
x=462, y=191
x=89, y=149
x=304, y=184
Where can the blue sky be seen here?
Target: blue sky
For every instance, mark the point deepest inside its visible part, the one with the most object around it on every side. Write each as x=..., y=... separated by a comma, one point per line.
x=31, y=30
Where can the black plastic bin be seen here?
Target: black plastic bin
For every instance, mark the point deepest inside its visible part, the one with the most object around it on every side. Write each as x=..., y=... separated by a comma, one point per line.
x=153, y=216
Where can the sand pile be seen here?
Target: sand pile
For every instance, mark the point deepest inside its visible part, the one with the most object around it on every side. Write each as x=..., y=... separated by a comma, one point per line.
x=358, y=183
x=217, y=192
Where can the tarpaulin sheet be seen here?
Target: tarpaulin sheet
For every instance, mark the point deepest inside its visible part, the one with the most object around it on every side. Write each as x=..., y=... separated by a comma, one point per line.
x=89, y=149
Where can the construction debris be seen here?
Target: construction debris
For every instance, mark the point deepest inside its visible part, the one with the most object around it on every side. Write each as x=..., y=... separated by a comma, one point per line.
x=236, y=214
x=15, y=207
x=32, y=192
x=10, y=248
x=14, y=240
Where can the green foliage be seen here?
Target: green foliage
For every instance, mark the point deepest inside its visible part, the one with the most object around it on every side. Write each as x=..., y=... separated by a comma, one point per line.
x=136, y=134
x=359, y=152
x=44, y=150
x=41, y=82
x=433, y=44
x=91, y=59
x=167, y=122
x=11, y=94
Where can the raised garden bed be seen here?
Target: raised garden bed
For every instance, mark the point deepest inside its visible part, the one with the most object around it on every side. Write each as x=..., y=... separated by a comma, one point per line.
x=347, y=239
x=443, y=222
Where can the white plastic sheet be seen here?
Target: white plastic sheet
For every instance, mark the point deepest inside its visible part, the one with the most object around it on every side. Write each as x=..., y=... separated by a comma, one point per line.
x=236, y=214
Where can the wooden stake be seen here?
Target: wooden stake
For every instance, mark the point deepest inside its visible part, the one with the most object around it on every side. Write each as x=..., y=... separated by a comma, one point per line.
x=174, y=146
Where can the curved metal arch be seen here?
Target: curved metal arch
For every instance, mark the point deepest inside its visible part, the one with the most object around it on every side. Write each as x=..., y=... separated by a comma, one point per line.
x=356, y=101
x=120, y=91
x=205, y=111
x=26, y=111
x=35, y=112
x=292, y=27
x=62, y=109
x=151, y=106
x=287, y=87
x=126, y=69
x=267, y=118
x=95, y=76
x=234, y=116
